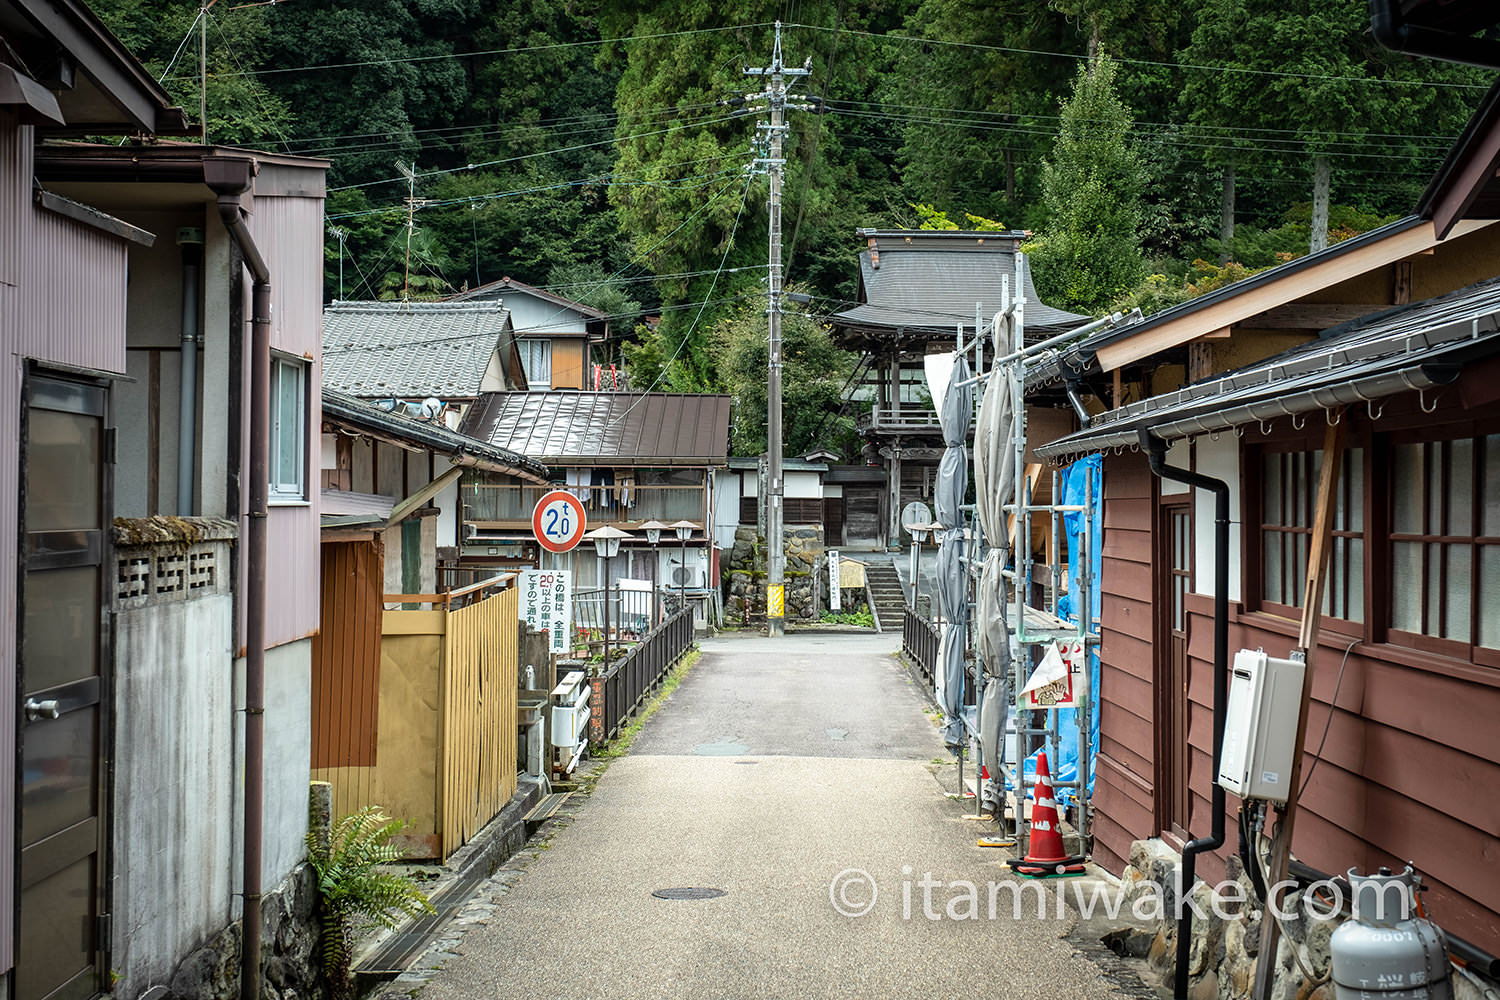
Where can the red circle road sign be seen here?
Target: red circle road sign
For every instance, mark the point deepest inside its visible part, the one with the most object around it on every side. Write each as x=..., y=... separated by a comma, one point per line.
x=558, y=521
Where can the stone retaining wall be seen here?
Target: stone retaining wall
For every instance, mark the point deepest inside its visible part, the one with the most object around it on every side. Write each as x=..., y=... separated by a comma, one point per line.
x=745, y=576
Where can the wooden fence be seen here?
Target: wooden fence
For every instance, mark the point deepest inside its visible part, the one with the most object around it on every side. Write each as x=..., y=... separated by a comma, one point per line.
x=444, y=730
x=620, y=692
x=478, y=716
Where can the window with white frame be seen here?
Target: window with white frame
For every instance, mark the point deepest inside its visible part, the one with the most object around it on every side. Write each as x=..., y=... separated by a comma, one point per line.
x=288, y=430
x=536, y=356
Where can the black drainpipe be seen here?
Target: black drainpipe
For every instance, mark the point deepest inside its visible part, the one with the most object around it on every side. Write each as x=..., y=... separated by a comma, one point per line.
x=1390, y=29
x=1156, y=451
x=230, y=179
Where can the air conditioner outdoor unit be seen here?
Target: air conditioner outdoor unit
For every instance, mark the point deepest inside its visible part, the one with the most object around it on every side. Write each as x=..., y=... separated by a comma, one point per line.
x=688, y=576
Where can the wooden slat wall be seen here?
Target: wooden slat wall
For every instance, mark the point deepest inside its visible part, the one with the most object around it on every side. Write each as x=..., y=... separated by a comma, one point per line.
x=478, y=717
x=1123, y=787
x=1408, y=771
x=346, y=657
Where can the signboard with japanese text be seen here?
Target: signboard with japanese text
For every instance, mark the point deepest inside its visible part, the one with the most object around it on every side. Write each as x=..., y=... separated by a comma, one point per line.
x=835, y=592
x=1059, y=680
x=547, y=605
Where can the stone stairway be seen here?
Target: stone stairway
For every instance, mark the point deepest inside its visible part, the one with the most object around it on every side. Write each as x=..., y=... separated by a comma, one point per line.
x=887, y=599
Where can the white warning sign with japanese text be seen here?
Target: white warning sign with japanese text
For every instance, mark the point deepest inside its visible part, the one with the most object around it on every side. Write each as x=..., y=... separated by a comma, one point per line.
x=547, y=605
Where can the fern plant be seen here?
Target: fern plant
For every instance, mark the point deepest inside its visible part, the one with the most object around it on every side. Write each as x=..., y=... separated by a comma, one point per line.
x=352, y=892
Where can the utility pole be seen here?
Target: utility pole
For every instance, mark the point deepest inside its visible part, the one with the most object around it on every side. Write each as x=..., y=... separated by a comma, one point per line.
x=773, y=490
x=412, y=204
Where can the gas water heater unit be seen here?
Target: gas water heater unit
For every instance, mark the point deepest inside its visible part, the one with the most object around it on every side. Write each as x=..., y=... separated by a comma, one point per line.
x=1260, y=726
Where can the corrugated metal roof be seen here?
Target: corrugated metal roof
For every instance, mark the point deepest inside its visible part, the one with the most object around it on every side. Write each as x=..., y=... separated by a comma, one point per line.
x=460, y=449
x=589, y=428
x=376, y=350
x=1079, y=359
x=931, y=280
x=1410, y=347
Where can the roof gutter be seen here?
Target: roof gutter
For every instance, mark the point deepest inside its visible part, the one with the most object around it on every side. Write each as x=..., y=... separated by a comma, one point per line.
x=1207, y=418
x=230, y=178
x=1391, y=30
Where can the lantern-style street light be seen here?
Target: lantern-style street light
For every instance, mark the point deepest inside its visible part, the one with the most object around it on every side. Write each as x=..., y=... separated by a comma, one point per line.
x=684, y=529
x=606, y=541
x=653, y=529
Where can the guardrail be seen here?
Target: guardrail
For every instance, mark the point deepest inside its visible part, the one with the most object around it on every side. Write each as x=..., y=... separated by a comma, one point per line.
x=919, y=641
x=619, y=691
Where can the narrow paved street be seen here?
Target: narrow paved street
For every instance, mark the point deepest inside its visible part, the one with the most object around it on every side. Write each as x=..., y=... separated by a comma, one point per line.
x=776, y=766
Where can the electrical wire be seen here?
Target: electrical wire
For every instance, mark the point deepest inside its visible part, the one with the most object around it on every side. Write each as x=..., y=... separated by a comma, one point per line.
x=1327, y=723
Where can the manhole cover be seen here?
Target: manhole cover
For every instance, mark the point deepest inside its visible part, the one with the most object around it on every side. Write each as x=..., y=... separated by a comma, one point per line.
x=688, y=892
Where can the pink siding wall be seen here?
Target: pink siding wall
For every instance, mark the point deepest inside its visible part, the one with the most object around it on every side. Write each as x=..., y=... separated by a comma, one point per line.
x=62, y=299
x=289, y=233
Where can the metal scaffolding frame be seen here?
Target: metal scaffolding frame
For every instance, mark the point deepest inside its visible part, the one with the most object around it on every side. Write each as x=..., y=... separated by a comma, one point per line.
x=1029, y=628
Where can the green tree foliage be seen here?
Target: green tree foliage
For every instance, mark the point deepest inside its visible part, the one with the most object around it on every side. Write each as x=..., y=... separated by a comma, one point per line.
x=814, y=375
x=169, y=40
x=1090, y=251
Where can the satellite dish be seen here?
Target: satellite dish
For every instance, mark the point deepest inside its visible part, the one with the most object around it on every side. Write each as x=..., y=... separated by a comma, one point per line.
x=432, y=408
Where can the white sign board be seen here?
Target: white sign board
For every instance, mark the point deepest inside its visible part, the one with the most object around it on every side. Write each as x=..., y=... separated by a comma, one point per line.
x=547, y=605
x=834, y=601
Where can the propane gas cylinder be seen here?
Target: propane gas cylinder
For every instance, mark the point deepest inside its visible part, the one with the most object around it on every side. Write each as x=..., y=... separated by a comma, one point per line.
x=1387, y=952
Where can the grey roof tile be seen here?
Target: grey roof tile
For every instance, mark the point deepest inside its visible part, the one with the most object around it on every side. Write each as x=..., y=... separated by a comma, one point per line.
x=376, y=350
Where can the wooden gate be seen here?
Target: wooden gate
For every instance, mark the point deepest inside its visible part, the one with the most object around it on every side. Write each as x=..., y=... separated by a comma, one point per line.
x=478, y=716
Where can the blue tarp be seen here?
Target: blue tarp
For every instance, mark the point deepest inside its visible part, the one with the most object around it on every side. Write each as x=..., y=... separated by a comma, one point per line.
x=1063, y=760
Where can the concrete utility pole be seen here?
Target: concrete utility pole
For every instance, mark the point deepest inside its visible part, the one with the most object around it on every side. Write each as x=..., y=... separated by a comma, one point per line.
x=775, y=97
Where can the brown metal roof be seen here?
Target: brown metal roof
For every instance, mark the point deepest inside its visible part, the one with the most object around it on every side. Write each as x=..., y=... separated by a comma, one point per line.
x=602, y=428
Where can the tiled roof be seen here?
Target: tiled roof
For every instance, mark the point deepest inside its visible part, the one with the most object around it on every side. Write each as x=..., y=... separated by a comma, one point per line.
x=497, y=289
x=375, y=350
x=587, y=428
x=931, y=281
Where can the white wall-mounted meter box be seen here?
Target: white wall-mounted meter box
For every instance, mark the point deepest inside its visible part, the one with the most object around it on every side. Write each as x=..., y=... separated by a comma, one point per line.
x=1260, y=726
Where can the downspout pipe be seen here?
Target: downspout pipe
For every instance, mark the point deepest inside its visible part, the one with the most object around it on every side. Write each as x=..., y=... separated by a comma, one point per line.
x=230, y=179
x=191, y=241
x=1156, y=452
x=1389, y=26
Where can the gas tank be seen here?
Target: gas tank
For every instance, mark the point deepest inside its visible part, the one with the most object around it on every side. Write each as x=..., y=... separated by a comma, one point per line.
x=1385, y=951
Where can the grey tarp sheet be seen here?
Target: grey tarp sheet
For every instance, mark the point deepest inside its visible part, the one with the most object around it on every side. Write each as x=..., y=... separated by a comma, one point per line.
x=948, y=497
x=994, y=486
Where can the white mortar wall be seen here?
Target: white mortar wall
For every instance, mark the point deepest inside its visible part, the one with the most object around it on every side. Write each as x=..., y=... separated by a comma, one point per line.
x=177, y=780
x=1220, y=459
x=287, y=762
x=1180, y=454
x=447, y=502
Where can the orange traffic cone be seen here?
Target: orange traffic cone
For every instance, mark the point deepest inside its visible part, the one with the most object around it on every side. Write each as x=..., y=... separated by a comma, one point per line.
x=1046, y=856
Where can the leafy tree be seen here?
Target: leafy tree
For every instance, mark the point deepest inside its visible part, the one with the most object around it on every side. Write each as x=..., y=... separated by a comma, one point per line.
x=813, y=376
x=1090, y=252
x=168, y=39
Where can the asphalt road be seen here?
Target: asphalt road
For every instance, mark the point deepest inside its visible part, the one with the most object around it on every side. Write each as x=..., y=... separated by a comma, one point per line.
x=797, y=776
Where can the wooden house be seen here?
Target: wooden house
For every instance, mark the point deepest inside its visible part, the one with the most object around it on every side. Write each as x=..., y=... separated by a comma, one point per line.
x=1393, y=335
x=554, y=334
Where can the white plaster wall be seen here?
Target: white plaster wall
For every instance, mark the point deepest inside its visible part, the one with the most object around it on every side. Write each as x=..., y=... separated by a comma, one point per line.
x=287, y=762
x=177, y=775
x=447, y=502
x=1220, y=459
x=1180, y=454
x=804, y=485
x=726, y=507
x=530, y=314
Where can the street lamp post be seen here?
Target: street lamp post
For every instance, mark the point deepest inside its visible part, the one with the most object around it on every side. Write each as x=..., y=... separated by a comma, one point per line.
x=653, y=529
x=606, y=541
x=684, y=529
x=919, y=534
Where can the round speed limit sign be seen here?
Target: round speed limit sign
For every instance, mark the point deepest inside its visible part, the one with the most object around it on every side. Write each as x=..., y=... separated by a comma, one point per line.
x=558, y=521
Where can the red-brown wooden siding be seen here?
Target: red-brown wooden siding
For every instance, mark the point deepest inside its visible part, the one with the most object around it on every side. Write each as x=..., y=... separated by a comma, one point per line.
x=346, y=657
x=1410, y=765
x=1124, y=784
